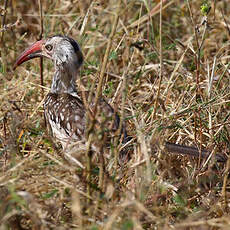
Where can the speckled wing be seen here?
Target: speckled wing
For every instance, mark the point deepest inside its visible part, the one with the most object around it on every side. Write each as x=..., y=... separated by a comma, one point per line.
x=65, y=115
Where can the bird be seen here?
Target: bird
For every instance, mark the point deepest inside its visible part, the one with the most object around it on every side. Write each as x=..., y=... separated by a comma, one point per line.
x=64, y=109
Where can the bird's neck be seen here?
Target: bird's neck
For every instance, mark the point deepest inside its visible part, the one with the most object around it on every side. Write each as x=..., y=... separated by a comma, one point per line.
x=64, y=81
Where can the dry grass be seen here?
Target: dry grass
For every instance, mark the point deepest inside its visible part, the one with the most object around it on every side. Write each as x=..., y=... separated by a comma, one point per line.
x=154, y=190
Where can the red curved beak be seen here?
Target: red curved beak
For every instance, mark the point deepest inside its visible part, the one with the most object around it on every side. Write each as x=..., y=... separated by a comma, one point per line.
x=35, y=50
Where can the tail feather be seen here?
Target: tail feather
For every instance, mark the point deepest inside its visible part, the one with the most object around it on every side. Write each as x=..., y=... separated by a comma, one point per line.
x=192, y=151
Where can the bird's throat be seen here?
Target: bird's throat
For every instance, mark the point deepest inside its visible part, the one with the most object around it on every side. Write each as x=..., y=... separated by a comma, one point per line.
x=63, y=83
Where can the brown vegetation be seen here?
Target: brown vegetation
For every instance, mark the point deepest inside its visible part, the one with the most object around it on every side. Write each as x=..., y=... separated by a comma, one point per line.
x=169, y=79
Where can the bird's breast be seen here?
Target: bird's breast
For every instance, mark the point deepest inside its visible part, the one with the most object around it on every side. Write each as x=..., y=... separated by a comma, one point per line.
x=65, y=116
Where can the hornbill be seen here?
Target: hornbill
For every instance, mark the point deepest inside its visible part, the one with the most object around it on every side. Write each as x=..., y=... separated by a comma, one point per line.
x=65, y=112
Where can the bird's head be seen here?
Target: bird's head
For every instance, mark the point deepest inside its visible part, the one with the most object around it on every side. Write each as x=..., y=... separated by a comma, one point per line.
x=63, y=50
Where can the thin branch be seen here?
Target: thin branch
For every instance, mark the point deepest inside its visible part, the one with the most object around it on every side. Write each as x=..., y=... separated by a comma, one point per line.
x=161, y=66
x=39, y=38
x=4, y=19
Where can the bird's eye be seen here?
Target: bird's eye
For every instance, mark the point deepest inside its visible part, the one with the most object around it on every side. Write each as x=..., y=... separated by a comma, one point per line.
x=49, y=47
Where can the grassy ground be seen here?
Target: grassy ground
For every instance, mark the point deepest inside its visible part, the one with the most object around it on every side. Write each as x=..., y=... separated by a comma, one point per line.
x=175, y=73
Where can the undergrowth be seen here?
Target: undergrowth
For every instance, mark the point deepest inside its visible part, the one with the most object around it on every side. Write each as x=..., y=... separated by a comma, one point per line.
x=174, y=75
